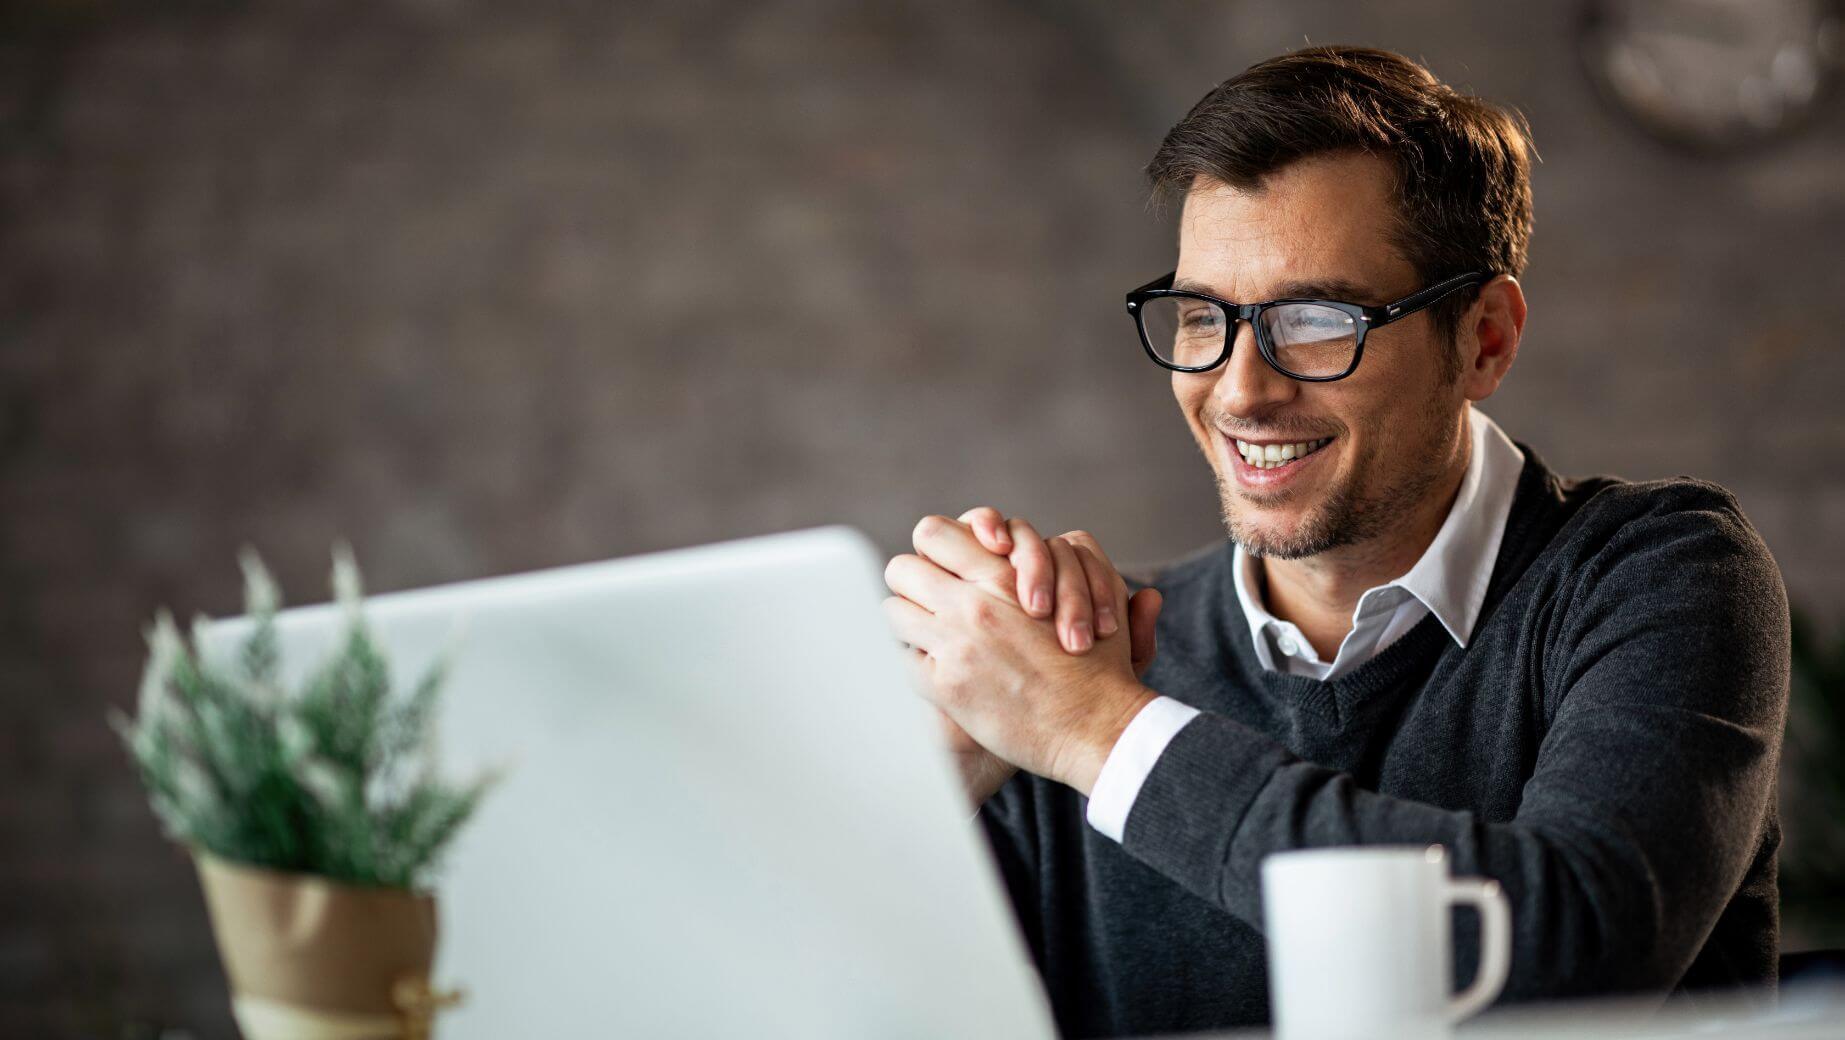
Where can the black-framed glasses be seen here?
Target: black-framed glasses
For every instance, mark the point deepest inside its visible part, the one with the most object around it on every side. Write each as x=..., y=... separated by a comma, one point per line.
x=1312, y=340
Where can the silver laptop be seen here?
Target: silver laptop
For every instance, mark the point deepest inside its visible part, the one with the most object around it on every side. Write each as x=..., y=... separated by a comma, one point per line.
x=726, y=812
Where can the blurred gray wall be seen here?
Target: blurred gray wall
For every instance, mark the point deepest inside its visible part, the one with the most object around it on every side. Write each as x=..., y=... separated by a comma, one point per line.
x=487, y=287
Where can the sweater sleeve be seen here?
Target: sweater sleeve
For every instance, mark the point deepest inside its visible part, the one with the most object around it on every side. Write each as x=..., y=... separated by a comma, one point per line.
x=1664, y=664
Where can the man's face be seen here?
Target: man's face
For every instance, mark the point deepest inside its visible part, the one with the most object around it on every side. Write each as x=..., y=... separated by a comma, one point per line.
x=1318, y=227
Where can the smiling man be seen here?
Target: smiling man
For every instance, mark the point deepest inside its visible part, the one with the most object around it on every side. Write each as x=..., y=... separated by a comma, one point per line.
x=1416, y=632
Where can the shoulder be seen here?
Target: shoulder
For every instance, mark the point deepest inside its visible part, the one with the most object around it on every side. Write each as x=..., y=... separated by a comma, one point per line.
x=1679, y=525
x=1662, y=592
x=1606, y=497
x=1670, y=564
x=1605, y=537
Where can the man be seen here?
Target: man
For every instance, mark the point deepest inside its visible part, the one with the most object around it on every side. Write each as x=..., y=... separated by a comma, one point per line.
x=1417, y=632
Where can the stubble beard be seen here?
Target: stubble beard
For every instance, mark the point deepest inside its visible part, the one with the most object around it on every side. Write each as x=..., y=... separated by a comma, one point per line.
x=1345, y=517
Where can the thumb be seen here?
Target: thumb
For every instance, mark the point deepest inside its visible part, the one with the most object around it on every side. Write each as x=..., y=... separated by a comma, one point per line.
x=1143, y=611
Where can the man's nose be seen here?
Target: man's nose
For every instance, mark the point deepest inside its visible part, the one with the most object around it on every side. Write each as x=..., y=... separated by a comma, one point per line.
x=1248, y=385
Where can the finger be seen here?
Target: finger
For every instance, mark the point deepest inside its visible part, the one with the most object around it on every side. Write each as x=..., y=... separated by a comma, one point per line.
x=1118, y=594
x=923, y=583
x=911, y=623
x=1143, y=616
x=1101, y=581
x=952, y=546
x=1075, y=618
x=1037, y=572
x=990, y=527
x=1084, y=538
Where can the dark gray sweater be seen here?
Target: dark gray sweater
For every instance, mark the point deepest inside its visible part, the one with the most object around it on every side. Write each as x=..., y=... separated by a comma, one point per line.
x=1605, y=747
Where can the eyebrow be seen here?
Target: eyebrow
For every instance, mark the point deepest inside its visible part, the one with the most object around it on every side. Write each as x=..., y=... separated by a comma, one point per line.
x=1319, y=289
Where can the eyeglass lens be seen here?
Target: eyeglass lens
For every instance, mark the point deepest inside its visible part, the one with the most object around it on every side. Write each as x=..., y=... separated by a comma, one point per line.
x=1307, y=339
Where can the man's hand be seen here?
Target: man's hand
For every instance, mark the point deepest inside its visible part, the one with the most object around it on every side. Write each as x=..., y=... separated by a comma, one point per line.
x=982, y=772
x=1032, y=567
x=1068, y=576
x=1001, y=675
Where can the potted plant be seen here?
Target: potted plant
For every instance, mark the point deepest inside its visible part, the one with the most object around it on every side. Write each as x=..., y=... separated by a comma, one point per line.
x=314, y=817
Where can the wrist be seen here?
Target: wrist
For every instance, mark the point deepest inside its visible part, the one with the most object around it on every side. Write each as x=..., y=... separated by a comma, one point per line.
x=1086, y=751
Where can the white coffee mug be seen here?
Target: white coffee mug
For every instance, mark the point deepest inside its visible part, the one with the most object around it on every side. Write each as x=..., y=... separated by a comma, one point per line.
x=1360, y=942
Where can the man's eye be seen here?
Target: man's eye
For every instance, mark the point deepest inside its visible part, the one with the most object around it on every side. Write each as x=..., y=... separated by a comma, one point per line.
x=1202, y=320
x=1312, y=324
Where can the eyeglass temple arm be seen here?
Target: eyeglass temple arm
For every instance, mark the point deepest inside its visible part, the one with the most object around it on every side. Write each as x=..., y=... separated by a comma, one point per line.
x=1414, y=302
x=1162, y=282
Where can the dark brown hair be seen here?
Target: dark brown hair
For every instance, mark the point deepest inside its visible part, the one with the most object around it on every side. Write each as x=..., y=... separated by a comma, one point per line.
x=1463, y=184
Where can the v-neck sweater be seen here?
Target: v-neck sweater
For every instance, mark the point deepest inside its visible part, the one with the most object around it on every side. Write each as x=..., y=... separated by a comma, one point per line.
x=1605, y=747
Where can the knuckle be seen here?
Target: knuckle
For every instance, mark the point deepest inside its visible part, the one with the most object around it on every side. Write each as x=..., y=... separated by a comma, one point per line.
x=959, y=655
x=984, y=612
x=1004, y=578
x=929, y=526
x=893, y=571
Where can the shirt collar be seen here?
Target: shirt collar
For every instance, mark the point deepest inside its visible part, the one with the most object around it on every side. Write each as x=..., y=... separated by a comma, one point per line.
x=1451, y=577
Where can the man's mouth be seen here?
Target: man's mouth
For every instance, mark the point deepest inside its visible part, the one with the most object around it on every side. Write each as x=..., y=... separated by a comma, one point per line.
x=1273, y=456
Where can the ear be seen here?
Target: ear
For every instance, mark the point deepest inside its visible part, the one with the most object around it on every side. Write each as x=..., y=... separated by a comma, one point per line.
x=1490, y=343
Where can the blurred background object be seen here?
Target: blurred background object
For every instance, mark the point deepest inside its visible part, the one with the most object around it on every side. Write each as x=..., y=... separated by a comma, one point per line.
x=1714, y=75
x=483, y=287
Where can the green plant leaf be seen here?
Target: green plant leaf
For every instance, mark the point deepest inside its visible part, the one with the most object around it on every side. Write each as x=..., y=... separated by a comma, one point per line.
x=332, y=779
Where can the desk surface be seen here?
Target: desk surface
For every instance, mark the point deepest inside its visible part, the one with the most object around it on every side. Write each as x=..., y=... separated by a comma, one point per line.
x=1808, y=1012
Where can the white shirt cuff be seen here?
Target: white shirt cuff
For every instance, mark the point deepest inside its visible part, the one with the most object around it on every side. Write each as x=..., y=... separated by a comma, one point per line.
x=1131, y=760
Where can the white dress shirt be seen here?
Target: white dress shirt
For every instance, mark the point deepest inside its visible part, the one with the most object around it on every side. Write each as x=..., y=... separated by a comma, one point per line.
x=1449, y=580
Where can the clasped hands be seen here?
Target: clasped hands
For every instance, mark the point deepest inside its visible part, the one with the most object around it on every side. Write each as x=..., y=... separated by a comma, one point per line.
x=1020, y=643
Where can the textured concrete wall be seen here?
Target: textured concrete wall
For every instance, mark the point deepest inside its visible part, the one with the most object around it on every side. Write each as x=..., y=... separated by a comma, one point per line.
x=487, y=287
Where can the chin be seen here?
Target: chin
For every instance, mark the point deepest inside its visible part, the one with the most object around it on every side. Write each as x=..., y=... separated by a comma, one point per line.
x=1285, y=531
x=1276, y=545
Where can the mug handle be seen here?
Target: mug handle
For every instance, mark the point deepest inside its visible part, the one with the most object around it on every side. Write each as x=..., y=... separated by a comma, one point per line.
x=1495, y=943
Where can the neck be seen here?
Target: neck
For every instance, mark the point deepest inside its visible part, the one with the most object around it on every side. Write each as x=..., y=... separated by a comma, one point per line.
x=1319, y=593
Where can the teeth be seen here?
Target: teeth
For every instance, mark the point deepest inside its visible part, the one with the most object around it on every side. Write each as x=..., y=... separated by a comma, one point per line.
x=1269, y=456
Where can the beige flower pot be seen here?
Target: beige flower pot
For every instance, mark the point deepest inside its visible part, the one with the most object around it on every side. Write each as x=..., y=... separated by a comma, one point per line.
x=313, y=959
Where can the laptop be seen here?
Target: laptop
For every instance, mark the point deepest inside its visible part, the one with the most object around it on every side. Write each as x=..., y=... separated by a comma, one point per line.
x=725, y=811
